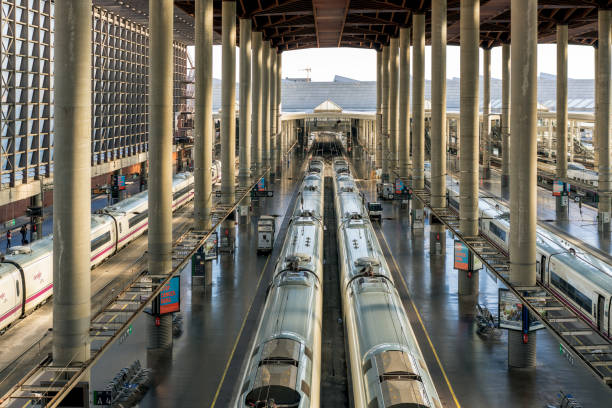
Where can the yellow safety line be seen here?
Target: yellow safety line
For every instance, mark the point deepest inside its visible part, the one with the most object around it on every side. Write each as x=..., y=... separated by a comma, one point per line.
x=421, y=321
x=231, y=356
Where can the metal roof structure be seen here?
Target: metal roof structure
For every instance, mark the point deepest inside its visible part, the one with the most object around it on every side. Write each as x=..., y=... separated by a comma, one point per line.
x=298, y=24
x=360, y=96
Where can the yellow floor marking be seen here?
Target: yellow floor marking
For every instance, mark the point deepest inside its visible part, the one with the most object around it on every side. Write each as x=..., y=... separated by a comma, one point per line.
x=231, y=356
x=421, y=322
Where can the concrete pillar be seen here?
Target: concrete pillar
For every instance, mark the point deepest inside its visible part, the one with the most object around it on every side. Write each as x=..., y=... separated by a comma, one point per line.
x=228, y=102
x=404, y=103
x=418, y=114
x=245, y=103
x=379, y=102
x=595, y=139
x=505, y=121
x=393, y=104
x=257, y=107
x=602, y=121
x=468, y=208
x=71, y=193
x=265, y=104
x=161, y=69
x=36, y=221
x=469, y=40
x=273, y=110
x=562, y=213
x=486, y=113
x=523, y=163
x=279, y=69
x=385, y=114
x=438, y=103
x=203, y=114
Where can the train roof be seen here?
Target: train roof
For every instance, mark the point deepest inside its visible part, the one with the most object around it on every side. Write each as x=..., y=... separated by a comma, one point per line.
x=362, y=250
x=301, y=248
x=578, y=265
x=24, y=254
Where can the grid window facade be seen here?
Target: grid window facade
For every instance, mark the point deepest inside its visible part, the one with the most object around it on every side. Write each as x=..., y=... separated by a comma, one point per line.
x=120, y=64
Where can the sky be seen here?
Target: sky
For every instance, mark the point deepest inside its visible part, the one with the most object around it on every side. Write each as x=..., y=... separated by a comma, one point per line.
x=360, y=64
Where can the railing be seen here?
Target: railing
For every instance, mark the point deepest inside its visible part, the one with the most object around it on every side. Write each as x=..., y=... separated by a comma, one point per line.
x=41, y=382
x=575, y=332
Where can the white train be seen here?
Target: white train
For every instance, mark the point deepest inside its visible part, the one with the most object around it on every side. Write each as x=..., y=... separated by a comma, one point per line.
x=285, y=363
x=581, y=280
x=26, y=272
x=387, y=366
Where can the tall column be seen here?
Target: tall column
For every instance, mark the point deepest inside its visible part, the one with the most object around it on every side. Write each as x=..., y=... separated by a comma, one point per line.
x=418, y=114
x=505, y=121
x=385, y=114
x=595, y=139
x=203, y=114
x=486, y=112
x=438, y=103
x=161, y=69
x=71, y=193
x=404, y=103
x=602, y=121
x=469, y=120
x=245, y=103
x=228, y=101
x=265, y=104
x=393, y=104
x=561, y=116
x=273, y=109
x=282, y=144
x=469, y=117
x=379, y=101
x=523, y=164
x=257, y=107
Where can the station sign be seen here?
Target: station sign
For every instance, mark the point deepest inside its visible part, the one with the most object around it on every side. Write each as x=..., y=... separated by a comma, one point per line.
x=261, y=184
x=118, y=181
x=513, y=315
x=170, y=296
x=464, y=259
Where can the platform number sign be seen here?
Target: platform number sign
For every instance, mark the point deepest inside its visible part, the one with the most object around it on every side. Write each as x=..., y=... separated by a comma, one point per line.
x=102, y=397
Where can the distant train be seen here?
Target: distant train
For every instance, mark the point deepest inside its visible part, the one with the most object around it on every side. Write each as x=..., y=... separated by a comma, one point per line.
x=26, y=272
x=284, y=367
x=386, y=363
x=581, y=280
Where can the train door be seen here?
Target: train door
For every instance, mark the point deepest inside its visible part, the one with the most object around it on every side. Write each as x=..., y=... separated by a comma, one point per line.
x=541, y=266
x=600, y=312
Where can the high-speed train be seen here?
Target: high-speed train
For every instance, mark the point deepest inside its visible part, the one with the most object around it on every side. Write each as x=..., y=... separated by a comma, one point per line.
x=582, y=281
x=284, y=369
x=386, y=363
x=26, y=272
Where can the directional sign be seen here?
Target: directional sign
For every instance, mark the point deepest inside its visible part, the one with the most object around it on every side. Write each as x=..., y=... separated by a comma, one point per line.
x=102, y=397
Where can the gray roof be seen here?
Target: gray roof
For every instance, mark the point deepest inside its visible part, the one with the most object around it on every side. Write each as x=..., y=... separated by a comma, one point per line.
x=360, y=96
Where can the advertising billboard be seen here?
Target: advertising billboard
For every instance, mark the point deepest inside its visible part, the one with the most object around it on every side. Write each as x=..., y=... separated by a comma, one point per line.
x=210, y=247
x=170, y=296
x=462, y=256
x=510, y=312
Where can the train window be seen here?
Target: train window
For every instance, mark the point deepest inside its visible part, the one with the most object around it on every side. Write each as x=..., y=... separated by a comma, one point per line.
x=138, y=218
x=100, y=240
x=17, y=287
x=574, y=294
x=181, y=192
x=500, y=233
